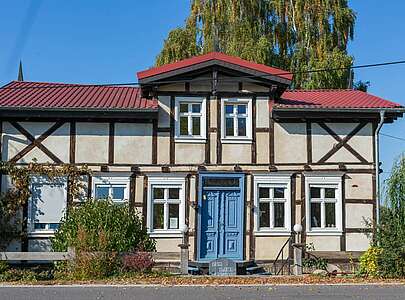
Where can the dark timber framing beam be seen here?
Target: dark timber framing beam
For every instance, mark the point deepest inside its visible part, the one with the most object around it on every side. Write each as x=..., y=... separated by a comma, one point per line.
x=172, y=133
x=254, y=149
x=219, y=134
x=72, y=146
x=111, y=136
x=154, y=141
x=342, y=142
x=208, y=133
x=36, y=142
x=309, y=142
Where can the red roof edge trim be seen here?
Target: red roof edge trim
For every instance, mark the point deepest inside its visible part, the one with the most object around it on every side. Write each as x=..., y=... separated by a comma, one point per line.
x=215, y=56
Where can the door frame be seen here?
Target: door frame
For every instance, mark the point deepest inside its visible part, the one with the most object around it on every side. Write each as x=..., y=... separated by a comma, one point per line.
x=242, y=182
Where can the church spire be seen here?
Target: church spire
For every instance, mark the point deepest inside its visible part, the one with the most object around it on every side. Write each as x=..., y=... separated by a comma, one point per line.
x=20, y=72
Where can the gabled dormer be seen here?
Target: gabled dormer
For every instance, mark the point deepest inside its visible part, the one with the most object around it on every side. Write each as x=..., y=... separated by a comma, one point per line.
x=216, y=74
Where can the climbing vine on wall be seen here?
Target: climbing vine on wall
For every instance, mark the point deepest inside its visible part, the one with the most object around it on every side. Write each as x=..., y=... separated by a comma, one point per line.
x=16, y=197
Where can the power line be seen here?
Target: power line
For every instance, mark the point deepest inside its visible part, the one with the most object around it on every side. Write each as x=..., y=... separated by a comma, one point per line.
x=219, y=79
x=393, y=137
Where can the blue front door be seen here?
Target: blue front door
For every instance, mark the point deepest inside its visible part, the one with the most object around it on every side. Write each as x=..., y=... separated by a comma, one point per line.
x=221, y=216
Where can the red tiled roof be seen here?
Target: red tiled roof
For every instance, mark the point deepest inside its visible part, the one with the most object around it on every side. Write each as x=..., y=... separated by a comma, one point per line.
x=23, y=94
x=332, y=99
x=214, y=56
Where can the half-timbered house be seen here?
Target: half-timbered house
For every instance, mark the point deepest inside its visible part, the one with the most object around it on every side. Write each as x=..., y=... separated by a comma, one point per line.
x=213, y=142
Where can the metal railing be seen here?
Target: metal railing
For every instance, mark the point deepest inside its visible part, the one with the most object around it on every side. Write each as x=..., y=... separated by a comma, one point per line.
x=283, y=261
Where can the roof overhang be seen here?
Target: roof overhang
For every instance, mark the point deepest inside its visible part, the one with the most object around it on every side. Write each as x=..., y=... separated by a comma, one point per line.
x=325, y=114
x=78, y=114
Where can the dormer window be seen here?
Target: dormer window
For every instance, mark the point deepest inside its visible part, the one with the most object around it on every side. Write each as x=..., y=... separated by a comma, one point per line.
x=236, y=120
x=190, y=119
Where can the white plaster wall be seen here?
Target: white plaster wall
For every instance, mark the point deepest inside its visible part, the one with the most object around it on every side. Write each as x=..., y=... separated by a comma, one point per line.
x=267, y=247
x=236, y=153
x=168, y=244
x=14, y=141
x=363, y=141
x=190, y=153
x=290, y=143
x=59, y=142
x=139, y=189
x=213, y=102
x=262, y=147
x=357, y=242
x=262, y=112
x=213, y=147
x=357, y=213
x=164, y=111
x=163, y=148
x=133, y=143
x=92, y=142
x=359, y=186
x=324, y=243
x=323, y=142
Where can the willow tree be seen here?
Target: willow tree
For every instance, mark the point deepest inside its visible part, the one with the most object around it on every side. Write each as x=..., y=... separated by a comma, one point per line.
x=297, y=35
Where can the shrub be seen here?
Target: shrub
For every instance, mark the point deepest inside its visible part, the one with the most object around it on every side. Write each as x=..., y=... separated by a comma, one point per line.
x=94, y=265
x=369, y=262
x=389, y=235
x=102, y=226
x=99, y=230
x=137, y=262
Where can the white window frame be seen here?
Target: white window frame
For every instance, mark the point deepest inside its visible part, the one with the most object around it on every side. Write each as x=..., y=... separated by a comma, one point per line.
x=32, y=232
x=237, y=139
x=110, y=180
x=324, y=180
x=203, y=117
x=272, y=181
x=165, y=181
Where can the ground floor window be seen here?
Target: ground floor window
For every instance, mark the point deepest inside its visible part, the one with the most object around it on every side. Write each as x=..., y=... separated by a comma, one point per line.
x=109, y=186
x=47, y=204
x=324, y=203
x=272, y=203
x=165, y=204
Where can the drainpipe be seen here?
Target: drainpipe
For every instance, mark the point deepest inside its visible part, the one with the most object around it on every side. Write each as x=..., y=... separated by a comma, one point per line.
x=377, y=166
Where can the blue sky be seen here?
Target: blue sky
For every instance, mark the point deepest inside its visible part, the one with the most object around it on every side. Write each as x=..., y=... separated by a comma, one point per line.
x=100, y=41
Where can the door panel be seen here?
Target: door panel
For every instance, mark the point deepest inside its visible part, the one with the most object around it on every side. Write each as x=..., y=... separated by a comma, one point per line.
x=209, y=224
x=221, y=220
x=230, y=231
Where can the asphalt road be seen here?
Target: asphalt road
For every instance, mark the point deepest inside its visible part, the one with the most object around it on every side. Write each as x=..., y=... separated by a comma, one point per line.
x=369, y=292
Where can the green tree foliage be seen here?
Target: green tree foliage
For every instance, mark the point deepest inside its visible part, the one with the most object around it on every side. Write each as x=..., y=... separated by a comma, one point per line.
x=297, y=35
x=101, y=225
x=391, y=232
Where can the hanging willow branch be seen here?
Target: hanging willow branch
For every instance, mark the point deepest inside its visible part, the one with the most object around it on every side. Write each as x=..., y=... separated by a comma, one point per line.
x=16, y=197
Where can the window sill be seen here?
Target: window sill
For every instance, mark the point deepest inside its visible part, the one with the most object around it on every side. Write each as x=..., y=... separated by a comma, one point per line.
x=165, y=234
x=272, y=233
x=41, y=234
x=324, y=233
x=236, y=141
x=190, y=140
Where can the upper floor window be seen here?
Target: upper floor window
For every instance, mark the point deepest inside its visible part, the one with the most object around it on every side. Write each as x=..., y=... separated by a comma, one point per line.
x=114, y=187
x=236, y=120
x=166, y=205
x=190, y=119
x=272, y=204
x=324, y=204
